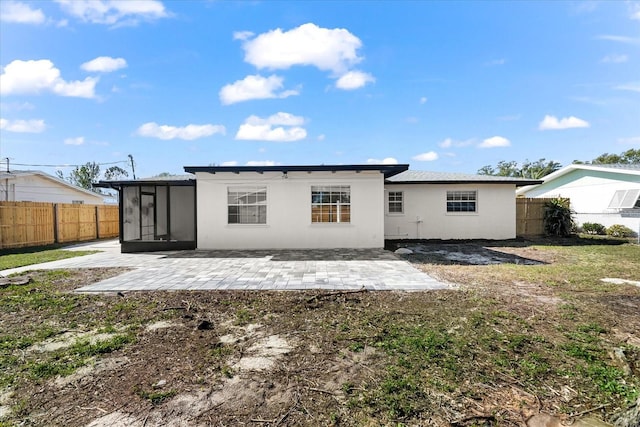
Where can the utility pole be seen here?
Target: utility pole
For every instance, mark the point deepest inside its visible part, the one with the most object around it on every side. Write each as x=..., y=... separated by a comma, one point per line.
x=133, y=169
x=6, y=184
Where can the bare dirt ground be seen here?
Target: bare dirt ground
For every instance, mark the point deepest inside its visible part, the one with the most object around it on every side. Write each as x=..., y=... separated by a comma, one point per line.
x=497, y=351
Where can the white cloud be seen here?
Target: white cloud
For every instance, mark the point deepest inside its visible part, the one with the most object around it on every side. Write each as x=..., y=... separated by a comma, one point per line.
x=385, y=161
x=327, y=49
x=189, y=132
x=354, y=80
x=104, y=64
x=254, y=87
x=615, y=58
x=412, y=119
x=423, y=100
x=74, y=141
x=114, y=12
x=23, y=126
x=429, y=156
x=16, y=106
x=242, y=35
x=495, y=62
x=552, y=123
x=289, y=128
x=632, y=86
x=449, y=142
x=495, y=141
x=32, y=77
x=635, y=11
x=20, y=13
x=260, y=163
x=619, y=39
x=230, y=163
x=321, y=137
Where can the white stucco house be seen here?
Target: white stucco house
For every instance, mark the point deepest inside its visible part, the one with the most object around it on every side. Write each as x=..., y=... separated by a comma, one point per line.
x=606, y=194
x=37, y=186
x=305, y=207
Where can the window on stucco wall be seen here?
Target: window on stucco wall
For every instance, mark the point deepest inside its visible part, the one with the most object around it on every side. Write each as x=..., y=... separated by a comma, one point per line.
x=396, y=202
x=462, y=201
x=247, y=205
x=331, y=203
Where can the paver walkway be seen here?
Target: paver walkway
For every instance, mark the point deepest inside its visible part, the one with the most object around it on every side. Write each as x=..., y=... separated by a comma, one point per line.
x=340, y=269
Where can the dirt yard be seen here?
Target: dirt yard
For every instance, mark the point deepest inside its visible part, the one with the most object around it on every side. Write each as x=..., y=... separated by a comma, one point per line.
x=530, y=329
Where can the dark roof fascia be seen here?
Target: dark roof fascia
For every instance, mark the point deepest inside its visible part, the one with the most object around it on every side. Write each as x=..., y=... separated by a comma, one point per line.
x=116, y=185
x=388, y=170
x=470, y=181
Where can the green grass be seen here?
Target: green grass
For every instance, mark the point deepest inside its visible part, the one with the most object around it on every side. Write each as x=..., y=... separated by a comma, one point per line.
x=155, y=397
x=29, y=258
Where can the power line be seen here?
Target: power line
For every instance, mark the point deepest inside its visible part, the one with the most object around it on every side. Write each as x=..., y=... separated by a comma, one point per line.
x=68, y=165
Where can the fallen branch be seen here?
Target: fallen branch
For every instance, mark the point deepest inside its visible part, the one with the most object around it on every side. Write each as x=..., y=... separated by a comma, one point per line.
x=597, y=408
x=284, y=417
x=259, y=420
x=319, y=390
x=89, y=408
x=337, y=293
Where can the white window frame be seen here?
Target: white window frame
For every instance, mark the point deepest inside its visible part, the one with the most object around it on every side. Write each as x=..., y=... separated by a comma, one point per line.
x=332, y=195
x=461, y=196
x=252, y=210
x=625, y=199
x=395, y=202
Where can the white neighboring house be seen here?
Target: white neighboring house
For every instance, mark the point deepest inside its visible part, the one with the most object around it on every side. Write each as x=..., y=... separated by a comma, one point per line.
x=37, y=186
x=605, y=194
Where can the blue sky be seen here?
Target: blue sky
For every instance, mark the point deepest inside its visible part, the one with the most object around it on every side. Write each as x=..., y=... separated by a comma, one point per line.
x=444, y=86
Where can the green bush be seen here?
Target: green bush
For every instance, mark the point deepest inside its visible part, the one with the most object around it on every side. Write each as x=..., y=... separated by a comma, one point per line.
x=619, y=230
x=593, y=228
x=558, y=217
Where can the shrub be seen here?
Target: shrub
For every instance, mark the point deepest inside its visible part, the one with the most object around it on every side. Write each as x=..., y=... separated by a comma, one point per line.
x=619, y=230
x=558, y=217
x=593, y=228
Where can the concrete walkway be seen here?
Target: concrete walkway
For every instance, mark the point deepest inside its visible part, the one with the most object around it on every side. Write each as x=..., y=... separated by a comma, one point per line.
x=340, y=269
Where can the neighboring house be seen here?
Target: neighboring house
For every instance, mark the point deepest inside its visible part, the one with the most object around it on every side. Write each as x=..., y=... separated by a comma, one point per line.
x=301, y=207
x=606, y=194
x=37, y=186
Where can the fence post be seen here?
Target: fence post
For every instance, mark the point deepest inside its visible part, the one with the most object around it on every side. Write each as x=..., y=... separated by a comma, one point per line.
x=97, y=222
x=55, y=223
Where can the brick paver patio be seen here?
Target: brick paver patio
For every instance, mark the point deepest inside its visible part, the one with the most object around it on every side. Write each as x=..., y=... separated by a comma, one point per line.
x=335, y=269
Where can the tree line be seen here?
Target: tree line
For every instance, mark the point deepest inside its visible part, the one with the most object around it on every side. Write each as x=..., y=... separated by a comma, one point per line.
x=541, y=168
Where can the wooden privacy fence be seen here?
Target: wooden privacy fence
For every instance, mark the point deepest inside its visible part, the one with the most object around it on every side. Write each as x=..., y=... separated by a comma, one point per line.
x=530, y=216
x=25, y=224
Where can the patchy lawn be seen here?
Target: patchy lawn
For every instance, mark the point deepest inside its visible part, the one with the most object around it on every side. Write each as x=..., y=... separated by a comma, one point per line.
x=516, y=339
x=30, y=256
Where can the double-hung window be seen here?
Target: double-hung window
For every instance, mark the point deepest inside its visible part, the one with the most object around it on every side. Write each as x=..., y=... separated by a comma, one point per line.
x=462, y=201
x=331, y=203
x=247, y=205
x=396, y=202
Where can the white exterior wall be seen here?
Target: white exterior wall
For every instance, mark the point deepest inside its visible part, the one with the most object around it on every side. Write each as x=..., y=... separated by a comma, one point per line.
x=35, y=188
x=289, y=223
x=590, y=193
x=425, y=213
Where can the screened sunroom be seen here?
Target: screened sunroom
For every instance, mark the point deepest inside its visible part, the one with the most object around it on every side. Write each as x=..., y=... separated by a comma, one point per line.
x=156, y=215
